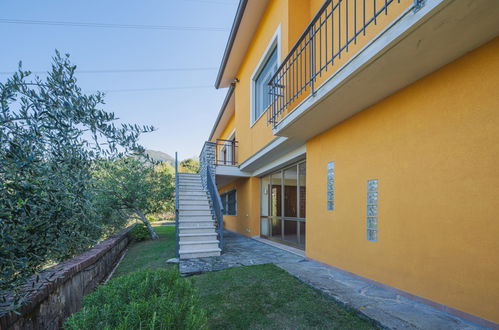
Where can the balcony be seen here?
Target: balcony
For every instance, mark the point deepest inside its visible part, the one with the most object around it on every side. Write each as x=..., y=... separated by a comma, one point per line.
x=221, y=158
x=354, y=53
x=225, y=152
x=333, y=36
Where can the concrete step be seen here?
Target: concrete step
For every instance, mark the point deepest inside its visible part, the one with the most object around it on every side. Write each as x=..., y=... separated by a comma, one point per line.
x=190, y=184
x=195, y=217
x=202, y=229
x=199, y=202
x=190, y=180
x=194, y=200
x=183, y=192
x=198, y=237
x=192, y=195
x=188, y=213
x=196, y=223
x=193, y=179
x=199, y=254
x=191, y=190
x=188, y=177
x=195, y=207
x=208, y=244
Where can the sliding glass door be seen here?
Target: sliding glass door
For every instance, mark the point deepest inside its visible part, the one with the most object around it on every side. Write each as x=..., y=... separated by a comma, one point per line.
x=283, y=205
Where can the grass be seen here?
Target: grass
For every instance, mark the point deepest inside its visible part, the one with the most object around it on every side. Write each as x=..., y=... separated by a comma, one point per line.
x=267, y=297
x=149, y=254
x=253, y=297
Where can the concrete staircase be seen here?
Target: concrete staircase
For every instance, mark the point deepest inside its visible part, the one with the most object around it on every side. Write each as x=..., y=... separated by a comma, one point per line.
x=197, y=235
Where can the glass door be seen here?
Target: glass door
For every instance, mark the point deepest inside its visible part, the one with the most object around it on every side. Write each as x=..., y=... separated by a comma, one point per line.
x=283, y=209
x=276, y=205
x=290, y=185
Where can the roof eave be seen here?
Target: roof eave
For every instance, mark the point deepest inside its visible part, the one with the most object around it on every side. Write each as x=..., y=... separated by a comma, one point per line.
x=222, y=110
x=230, y=43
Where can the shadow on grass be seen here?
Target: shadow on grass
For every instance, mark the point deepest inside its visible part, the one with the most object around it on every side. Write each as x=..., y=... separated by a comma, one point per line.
x=149, y=254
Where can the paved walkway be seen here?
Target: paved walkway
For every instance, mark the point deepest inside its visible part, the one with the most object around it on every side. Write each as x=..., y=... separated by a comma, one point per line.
x=385, y=306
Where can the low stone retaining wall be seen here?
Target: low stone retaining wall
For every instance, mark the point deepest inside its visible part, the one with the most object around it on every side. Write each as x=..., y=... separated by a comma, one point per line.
x=61, y=288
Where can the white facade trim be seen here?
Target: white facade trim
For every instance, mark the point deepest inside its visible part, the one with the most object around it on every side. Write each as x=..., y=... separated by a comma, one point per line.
x=281, y=161
x=275, y=41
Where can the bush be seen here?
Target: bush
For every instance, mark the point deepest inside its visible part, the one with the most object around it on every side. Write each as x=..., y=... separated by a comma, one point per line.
x=149, y=299
x=152, y=218
x=139, y=232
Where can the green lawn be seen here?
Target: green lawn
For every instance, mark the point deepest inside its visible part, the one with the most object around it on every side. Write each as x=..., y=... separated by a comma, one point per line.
x=149, y=254
x=254, y=297
x=267, y=297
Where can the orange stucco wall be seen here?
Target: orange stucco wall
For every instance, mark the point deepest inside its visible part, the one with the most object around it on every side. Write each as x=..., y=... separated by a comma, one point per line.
x=229, y=128
x=434, y=147
x=247, y=221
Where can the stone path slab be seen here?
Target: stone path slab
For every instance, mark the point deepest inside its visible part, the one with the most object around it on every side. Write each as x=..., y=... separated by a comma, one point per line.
x=385, y=306
x=238, y=251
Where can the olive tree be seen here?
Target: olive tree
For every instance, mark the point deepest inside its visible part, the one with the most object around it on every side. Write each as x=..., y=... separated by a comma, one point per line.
x=131, y=188
x=51, y=133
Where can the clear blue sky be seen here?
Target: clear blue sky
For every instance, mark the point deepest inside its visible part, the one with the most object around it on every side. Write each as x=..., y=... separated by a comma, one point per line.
x=183, y=117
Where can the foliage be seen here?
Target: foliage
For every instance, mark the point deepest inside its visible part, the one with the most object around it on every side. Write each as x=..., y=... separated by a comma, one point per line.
x=129, y=188
x=50, y=135
x=148, y=299
x=152, y=218
x=139, y=232
x=189, y=165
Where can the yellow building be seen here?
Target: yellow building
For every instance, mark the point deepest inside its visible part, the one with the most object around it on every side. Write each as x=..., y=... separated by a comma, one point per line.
x=366, y=133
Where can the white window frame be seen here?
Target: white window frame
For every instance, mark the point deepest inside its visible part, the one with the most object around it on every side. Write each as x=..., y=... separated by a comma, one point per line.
x=275, y=43
x=230, y=148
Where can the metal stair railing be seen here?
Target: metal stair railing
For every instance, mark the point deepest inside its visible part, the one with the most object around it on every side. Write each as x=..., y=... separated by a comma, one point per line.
x=217, y=205
x=177, y=230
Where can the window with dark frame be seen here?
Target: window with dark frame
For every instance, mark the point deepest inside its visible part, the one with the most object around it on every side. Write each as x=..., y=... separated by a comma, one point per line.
x=229, y=202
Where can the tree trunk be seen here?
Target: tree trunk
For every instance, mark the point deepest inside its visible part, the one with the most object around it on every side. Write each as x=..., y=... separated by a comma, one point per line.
x=143, y=218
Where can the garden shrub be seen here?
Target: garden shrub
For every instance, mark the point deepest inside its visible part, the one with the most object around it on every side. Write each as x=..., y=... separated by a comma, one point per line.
x=152, y=218
x=148, y=299
x=139, y=232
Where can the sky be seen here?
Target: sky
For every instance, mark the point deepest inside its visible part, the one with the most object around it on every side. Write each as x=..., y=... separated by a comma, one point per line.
x=184, y=115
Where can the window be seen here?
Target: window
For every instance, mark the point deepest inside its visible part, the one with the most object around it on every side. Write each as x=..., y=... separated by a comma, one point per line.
x=262, y=89
x=229, y=202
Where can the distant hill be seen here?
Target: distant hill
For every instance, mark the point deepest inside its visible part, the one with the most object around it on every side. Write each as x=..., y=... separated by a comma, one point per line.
x=160, y=156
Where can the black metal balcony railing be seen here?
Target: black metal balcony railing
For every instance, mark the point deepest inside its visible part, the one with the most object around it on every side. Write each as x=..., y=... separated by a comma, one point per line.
x=226, y=152
x=337, y=25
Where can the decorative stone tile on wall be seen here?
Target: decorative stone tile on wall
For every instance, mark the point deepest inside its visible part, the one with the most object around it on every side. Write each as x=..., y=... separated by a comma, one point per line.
x=372, y=210
x=330, y=186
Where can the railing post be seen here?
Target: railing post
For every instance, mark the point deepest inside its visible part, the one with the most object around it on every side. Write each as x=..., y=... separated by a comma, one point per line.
x=418, y=4
x=312, y=59
x=177, y=230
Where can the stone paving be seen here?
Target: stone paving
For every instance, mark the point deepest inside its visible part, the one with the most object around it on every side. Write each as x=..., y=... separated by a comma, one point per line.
x=385, y=306
x=238, y=251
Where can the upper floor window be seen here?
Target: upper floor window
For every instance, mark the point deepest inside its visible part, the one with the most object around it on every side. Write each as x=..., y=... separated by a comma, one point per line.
x=262, y=97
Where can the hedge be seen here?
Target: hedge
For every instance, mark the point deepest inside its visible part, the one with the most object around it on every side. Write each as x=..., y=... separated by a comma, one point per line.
x=148, y=299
